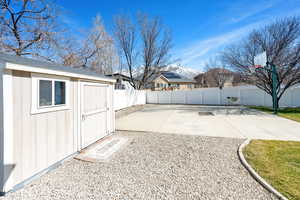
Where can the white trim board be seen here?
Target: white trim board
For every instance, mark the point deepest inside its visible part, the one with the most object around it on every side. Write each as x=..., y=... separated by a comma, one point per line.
x=8, y=139
x=35, y=109
x=19, y=67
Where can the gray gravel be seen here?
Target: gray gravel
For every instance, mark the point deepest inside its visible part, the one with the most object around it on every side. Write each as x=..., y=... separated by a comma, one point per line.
x=153, y=166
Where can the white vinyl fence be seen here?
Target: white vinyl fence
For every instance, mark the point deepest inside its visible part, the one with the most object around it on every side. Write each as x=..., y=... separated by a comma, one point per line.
x=243, y=95
x=127, y=98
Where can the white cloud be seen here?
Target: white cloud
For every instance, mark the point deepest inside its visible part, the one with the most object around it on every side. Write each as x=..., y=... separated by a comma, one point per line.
x=199, y=51
x=196, y=53
x=251, y=10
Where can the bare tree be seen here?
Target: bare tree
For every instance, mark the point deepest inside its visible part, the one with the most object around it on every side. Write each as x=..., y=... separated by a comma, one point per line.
x=104, y=52
x=96, y=51
x=216, y=74
x=148, y=37
x=156, y=44
x=125, y=33
x=281, y=41
x=28, y=27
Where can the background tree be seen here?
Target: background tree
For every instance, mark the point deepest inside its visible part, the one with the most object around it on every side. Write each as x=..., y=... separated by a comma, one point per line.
x=28, y=27
x=281, y=41
x=147, y=36
x=216, y=74
x=156, y=45
x=96, y=50
x=125, y=33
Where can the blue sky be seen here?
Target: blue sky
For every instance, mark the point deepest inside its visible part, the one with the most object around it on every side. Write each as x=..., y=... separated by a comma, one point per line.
x=200, y=28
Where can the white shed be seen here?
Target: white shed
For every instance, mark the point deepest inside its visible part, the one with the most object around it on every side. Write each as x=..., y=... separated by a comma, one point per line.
x=48, y=113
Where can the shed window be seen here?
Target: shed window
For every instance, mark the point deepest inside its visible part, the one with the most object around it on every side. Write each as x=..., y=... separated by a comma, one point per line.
x=49, y=93
x=45, y=91
x=60, y=92
x=52, y=93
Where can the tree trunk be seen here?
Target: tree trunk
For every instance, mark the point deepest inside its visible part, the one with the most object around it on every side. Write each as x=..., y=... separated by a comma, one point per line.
x=275, y=104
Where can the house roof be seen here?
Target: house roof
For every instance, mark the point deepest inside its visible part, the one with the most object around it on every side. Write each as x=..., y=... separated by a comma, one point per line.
x=200, y=75
x=173, y=77
x=178, y=80
x=27, y=64
x=170, y=77
x=117, y=75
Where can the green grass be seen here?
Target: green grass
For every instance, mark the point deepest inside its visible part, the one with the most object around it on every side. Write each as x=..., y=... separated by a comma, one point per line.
x=278, y=162
x=289, y=113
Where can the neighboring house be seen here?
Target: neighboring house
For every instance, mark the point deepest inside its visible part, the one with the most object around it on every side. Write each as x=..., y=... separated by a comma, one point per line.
x=216, y=77
x=170, y=81
x=48, y=112
x=122, y=80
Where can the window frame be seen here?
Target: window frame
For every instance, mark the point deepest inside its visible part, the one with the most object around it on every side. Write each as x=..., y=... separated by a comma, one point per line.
x=35, y=101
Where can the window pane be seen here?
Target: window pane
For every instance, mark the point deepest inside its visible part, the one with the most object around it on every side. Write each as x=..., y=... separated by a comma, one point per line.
x=45, y=92
x=60, y=92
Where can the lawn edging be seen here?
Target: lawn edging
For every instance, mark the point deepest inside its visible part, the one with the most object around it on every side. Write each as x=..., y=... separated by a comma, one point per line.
x=254, y=174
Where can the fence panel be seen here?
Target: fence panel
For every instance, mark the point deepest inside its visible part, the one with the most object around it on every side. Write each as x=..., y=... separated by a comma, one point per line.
x=164, y=97
x=194, y=97
x=211, y=96
x=252, y=96
x=152, y=97
x=178, y=97
x=229, y=92
x=286, y=99
x=296, y=97
x=127, y=98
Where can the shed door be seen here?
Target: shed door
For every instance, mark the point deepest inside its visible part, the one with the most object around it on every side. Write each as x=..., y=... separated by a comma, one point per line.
x=94, y=112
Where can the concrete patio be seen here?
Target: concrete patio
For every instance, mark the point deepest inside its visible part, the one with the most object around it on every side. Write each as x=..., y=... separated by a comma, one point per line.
x=232, y=122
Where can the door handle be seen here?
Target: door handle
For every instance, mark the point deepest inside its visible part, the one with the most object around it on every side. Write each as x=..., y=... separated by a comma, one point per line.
x=83, y=117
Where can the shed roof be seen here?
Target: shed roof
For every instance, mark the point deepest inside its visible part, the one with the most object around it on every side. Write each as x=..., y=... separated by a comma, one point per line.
x=32, y=65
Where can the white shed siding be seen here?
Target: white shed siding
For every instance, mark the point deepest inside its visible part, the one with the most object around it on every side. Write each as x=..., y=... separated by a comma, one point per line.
x=43, y=139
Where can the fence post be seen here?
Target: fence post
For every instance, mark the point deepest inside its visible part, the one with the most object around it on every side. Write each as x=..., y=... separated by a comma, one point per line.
x=264, y=98
x=292, y=97
x=220, y=96
x=240, y=97
x=185, y=97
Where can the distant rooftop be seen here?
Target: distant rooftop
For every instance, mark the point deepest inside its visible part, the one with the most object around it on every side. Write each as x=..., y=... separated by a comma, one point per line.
x=173, y=77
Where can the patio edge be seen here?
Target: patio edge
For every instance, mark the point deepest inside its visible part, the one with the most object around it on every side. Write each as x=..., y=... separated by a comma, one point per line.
x=254, y=174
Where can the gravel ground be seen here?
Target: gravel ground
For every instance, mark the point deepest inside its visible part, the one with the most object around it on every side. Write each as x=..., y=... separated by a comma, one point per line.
x=153, y=166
